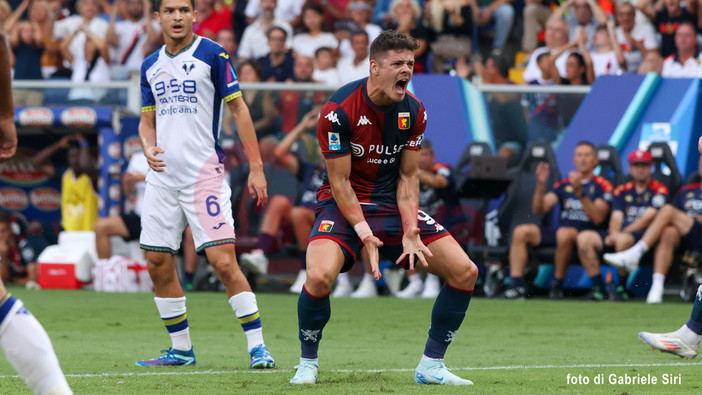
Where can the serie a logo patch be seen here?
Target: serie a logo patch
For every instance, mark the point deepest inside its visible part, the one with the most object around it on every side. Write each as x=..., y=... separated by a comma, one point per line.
x=326, y=226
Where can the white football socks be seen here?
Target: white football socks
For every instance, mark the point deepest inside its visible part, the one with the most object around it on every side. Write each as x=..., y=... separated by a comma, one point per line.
x=245, y=308
x=639, y=249
x=174, y=307
x=28, y=348
x=658, y=280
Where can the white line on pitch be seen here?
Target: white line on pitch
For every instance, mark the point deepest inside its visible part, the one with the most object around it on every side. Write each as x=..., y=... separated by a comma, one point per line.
x=514, y=367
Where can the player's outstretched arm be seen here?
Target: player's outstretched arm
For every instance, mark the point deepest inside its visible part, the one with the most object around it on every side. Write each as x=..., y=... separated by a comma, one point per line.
x=339, y=171
x=247, y=134
x=408, y=205
x=8, y=132
x=147, y=137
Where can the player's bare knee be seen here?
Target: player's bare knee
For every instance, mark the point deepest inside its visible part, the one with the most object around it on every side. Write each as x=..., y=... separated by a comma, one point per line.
x=101, y=226
x=670, y=235
x=156, y=260
x=667, y=211
x=471, y=272
x=521, y=233
x=224, y=265
x=319, y=282
x=464, y=276
x=588, y=240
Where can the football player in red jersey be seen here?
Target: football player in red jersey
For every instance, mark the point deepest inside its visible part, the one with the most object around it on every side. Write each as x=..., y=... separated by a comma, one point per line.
x=370, y=132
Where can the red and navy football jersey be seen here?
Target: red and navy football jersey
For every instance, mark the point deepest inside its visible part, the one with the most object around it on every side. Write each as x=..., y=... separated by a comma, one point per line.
x=350, y=124
x=689, y=200
x=572, y=212
x=633, y=204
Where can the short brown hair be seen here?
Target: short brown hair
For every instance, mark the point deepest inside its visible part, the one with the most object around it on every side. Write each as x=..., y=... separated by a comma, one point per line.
x=391, y=40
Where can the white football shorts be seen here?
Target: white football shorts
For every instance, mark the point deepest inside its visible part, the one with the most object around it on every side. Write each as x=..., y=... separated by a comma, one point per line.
x=205, y=206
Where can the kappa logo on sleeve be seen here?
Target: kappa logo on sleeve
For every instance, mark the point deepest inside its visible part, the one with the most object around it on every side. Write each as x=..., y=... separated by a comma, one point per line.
x=333, y=118
x=326, y=226
x=334, y=142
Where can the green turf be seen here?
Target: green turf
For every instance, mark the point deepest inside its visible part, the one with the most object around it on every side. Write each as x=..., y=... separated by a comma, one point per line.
x=505, y=347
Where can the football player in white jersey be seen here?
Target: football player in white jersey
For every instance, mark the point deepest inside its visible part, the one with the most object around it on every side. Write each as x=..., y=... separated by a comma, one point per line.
x=22, y=338
x=183, y=88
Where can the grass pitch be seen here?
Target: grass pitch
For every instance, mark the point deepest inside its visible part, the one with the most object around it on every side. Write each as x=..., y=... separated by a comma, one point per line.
x=370, y=345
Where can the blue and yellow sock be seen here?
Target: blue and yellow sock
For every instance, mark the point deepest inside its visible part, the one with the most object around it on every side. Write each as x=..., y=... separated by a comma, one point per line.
x=245, y=307
x=175, y=318
x=6, y=304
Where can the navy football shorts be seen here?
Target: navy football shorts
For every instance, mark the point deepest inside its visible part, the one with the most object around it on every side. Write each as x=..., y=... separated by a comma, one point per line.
x=384, y=221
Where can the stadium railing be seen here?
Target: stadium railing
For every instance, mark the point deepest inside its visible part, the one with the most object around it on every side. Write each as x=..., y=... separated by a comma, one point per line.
x=127, y=93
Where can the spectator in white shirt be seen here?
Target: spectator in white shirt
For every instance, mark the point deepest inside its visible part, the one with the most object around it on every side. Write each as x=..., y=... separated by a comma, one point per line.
x=556, y=37
x=684, y=63
x=635, y=38
x=325, y=70
x=359, y=12
x=133, y=38
x=87, y=19
x=357, y=66
x=287, y=10
x=607, y=57
x=313, y=35
x=254, y=42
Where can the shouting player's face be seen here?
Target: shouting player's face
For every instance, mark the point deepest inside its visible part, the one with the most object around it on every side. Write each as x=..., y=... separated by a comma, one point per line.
x=176, y=18
x=393, y=72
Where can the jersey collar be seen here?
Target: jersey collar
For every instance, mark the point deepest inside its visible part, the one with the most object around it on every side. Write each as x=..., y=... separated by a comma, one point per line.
x=187, y=47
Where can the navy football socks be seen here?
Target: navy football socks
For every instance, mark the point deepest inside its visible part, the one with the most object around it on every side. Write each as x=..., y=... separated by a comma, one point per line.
x=446, y=317
x=312, y=314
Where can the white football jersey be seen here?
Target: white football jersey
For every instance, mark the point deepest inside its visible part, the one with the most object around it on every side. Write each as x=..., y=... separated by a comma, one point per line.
x=186, y=91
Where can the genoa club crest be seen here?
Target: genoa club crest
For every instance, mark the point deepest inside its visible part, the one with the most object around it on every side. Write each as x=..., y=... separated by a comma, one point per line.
x=326, y=226
x=403, y=120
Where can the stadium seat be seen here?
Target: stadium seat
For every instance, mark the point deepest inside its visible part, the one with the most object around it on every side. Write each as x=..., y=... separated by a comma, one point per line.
x=665, y=169
x=516, y=208
x=475, y=148
x=610, y=166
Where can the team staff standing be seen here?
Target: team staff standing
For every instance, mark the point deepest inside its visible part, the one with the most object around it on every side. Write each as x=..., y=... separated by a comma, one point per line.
x=183, y=86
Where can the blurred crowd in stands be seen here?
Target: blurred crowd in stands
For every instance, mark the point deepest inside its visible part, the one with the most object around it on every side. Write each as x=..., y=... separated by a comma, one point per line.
x=544, y=42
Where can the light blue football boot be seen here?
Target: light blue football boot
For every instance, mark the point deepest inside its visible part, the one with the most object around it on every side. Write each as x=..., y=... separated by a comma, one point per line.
x=435, y=372
x=171, y=357
x=261, y=358
x=306, y=372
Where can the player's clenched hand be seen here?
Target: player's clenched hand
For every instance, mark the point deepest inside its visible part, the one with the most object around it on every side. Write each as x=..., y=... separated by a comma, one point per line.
x=258, y=186
x=699, y=145
x=155, y=163
x=412, y=246
x=371, y=244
